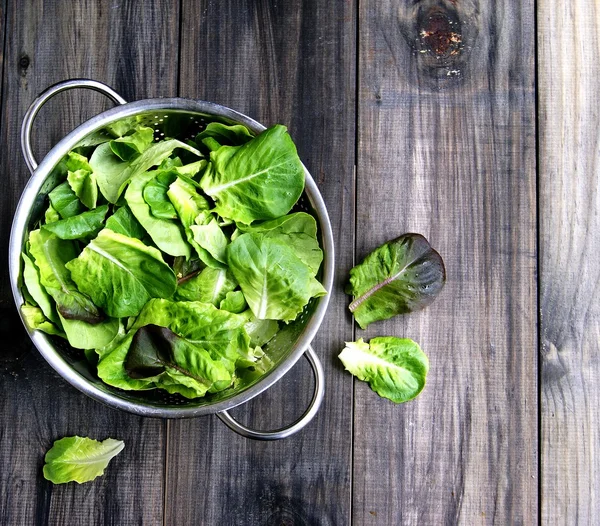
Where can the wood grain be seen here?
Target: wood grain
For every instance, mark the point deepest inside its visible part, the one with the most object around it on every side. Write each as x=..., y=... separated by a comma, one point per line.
x=447, y=149
x=569, y=172
x=134, y=48
x=292, y=63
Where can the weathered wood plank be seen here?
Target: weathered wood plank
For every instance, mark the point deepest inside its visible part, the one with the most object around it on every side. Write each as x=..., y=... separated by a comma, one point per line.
x=569, y=177
x=447, y=149
x=293, y=63
x=134, y=48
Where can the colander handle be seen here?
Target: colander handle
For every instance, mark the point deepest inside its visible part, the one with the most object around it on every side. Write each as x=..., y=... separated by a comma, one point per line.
x=44, y=97
x=308, y=415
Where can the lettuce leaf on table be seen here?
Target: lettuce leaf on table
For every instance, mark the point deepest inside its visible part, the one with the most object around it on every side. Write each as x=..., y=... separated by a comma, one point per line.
x=79, y=459
x=400, y=276
x=395, y=368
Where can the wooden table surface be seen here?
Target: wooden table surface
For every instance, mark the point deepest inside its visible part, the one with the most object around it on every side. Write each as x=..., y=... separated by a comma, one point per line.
x=474, y=123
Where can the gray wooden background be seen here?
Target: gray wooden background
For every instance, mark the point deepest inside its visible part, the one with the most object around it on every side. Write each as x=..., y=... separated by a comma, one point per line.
x=474, y=123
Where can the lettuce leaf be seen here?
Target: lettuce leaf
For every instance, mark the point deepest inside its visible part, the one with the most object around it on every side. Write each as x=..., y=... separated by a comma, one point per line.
x=86, y=224
x=262, y=179
x=298, y=231
x=400, y=276
x=166, y=233
x=121, y=274
x=211, y=285
x=275, y=282
x=79, y=459
x=51, y=255
x=395, y=368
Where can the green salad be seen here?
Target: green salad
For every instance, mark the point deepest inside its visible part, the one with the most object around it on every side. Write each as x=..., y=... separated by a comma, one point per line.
x=171, y=264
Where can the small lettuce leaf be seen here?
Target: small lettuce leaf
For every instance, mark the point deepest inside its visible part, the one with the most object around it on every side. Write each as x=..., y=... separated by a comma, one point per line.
x=156, y=350
x=155, y=195
x=211, y=285
x=211, y=238
x=130, y=146
x=189, y=205
x=36, y=320
x=395, y=368
x=31, y=279
x=399, y=277
x=82, y=335
x=81, y=179
x=121, y=274
x=84, y=225
x=298, y=231
x=225, y=135
x=234, y=302
x=51, y=215
x=113, y=174
x=165, y=233
x=65, y=201
x=124, y=222
x=83, y=183
x=275, y=282
x=261, y=179
x=79, y=459
x=51, y=254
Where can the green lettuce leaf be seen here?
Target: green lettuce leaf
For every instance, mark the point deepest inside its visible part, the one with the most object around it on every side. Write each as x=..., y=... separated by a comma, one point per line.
x=65, y=201
x=111, y=369
x=298, y=231
x=79, y=459
x=113, y=174
x=211, y=238
x=36, y=320
x=261, y=179
x=396, y=368
x=275, y=282
x=400, y=276
x=210, y=285
x=224, y=135
x=51, y=255
x=82, y=335
x=31, y=279
x=51, y=215
x=165, y=233
x=155, y=195
x=128, y=147
x=124, y=222
x=84, y=225
x=189, y=204
x=259, y=331
x=234, y=302
x=81, y=179
x=121, y=274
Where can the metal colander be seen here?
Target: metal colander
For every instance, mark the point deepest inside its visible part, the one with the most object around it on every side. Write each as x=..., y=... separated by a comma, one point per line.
x=181, y=119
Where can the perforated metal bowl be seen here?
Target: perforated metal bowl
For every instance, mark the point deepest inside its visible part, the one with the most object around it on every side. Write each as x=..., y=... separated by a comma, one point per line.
x=182, y=119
